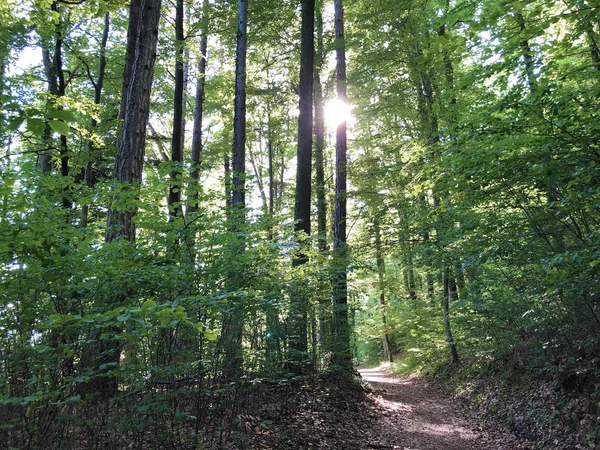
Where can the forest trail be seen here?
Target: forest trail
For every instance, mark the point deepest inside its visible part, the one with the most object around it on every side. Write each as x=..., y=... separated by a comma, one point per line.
x=417, y=415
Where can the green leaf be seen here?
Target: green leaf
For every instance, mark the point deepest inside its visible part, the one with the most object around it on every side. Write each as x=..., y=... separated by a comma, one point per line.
x=60, y=127
x=148, y=305
x=15, y=123
x=164, y=316
x=62, y=114
x=595, y=263
x=36, y=126
x=33, y=113
x=210, y=334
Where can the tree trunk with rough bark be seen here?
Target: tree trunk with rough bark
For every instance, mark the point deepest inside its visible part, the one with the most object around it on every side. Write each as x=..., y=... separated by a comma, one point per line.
x=381, y=276
x=135, y=10
x=105, y=355
x=130, y=157
x=174, y=198
x=324, y=314
x=233, y=323
x=341, y=356
x=193, y=186
x=320, y=139
x=448, y=298
x=298, y=342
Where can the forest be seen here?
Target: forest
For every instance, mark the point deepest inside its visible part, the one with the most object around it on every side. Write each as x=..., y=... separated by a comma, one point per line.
x=212, y=212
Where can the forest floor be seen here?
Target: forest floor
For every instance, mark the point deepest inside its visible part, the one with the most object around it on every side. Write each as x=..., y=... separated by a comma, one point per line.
x=406, y=413
x=417, y=414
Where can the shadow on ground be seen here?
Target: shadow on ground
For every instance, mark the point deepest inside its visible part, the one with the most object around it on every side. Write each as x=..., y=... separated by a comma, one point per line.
x=417, y=415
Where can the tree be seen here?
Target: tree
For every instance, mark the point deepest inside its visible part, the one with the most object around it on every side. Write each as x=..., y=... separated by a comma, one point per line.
x=319, y=110
x=341, y=331
x=193, y=187
x=298, y=344
x=98, y=84
x=469, y=199
x=233, y=324
x=380, y=261
x=174, y=198
x=128, y=166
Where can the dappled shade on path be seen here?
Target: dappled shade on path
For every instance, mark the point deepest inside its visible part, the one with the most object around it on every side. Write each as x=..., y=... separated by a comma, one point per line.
x=417, y=415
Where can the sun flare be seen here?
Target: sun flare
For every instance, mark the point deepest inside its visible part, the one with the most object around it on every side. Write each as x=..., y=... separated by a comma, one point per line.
x=336, y=112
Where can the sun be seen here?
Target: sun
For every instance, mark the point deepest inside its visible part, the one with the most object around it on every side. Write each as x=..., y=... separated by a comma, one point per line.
x=336, y=112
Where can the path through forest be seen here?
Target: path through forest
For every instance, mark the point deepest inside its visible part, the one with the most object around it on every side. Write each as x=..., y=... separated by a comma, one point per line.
x=417, y=415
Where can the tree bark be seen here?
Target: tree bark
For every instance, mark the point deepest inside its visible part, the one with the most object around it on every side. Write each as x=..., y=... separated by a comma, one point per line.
x=409, y=271
x=50, y=73
x=446, y=306
x=128, y=166
x=381, y=276
x=55, y=76
x=298, y=343
x=135, y=9
x=174, y=198
x=305, y=118
x=238, y=196
x=341, y=331
x=324, y=314
x=193, y=185
x=527, y=55
x=320, y=140
x=233, y=324
x=104, y=356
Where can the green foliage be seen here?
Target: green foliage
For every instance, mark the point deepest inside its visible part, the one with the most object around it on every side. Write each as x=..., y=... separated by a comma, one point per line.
x=475, y=147
x=478, y=152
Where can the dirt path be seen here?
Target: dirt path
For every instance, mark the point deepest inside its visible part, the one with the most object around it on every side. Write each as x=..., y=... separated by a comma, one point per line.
x=417, y=415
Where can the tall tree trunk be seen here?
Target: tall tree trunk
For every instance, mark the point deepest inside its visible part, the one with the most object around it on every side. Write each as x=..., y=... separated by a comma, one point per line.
x=227, y=184
x=271, y=169
x=446, y=306
x=174, y=199
x=258, y=173
x=135, y=10
x=340, y=330
x=238, y=198
x=130, y=156
x=234, y=320
x=55, y=76
x=527, y=55
x=381, y=275
x=193, y=186
x=594, y=51
x=320, y=139
x=324, y=314
x=52, y=83
x=106, y=354
x=431, y=128
x=273, y=326
x=428, y=126
x=409, y=271
x=429, y=285
x=298, y=344
x=98, y=86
